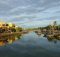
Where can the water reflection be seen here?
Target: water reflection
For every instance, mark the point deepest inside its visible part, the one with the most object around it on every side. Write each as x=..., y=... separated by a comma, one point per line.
x=29, y=45
x=55, y=39
x=11, y=39
x=8, y=39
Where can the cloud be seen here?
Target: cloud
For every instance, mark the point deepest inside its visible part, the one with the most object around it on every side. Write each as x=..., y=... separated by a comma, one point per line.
x=25, y=11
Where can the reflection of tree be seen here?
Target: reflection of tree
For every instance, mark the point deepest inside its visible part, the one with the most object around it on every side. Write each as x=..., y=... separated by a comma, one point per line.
x=19, y=36
x=49, y=39
x=53, y=40
x=8, y=39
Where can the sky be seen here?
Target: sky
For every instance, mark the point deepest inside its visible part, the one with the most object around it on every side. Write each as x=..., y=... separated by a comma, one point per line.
x=30, y=13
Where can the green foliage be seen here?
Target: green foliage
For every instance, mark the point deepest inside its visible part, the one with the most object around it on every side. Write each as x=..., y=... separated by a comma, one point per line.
x=19, y=29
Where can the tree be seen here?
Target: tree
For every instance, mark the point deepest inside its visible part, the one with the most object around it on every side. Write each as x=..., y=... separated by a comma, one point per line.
x=18, y=29
x=55, y=23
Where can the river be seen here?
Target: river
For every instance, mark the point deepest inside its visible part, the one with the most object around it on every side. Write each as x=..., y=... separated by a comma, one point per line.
x=29, y=45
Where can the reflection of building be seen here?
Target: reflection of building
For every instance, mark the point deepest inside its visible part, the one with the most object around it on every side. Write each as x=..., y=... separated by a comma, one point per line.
x=2, y=43
x=12, y=39
x=8, y=40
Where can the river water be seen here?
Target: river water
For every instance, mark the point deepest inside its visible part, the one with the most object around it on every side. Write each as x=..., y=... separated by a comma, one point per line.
x=29, y=45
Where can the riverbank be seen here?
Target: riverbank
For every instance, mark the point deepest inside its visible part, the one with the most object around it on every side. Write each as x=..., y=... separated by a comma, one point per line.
x=9, y=34
x=13, y=33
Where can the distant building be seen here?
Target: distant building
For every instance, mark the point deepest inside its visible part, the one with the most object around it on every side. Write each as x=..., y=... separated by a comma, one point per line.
x=6, y=27
x=11, y=25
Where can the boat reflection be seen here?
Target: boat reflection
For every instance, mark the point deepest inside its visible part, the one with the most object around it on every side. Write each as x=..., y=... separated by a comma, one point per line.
x=8, y=39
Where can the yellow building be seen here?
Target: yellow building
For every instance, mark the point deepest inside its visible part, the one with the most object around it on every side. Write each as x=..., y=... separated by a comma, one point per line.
x=5, y=27
x=11, y=25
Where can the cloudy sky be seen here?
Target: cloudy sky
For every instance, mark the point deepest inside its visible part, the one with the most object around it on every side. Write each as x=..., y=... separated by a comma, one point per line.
x=30, y=13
